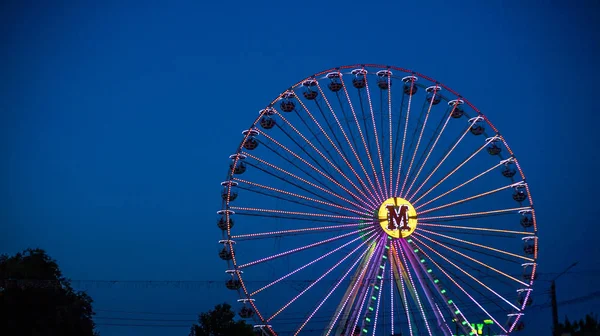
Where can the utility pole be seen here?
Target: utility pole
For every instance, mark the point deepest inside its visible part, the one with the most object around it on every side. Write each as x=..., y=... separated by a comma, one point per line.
x=555, y=330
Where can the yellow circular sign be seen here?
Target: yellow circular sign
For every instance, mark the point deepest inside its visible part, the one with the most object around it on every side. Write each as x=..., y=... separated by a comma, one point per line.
x=397, y=217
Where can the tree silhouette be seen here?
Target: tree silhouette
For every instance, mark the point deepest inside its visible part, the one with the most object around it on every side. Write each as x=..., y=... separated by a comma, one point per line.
x=36, y=300
x=584, y=327
x=219, y=322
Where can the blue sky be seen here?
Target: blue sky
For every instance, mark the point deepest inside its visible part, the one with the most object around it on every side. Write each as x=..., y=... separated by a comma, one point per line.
x=116, y=121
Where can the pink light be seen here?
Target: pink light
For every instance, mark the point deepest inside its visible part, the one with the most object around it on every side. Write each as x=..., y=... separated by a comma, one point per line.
x=397, y=261
x=299, y=196
x=417, y=146
x=250, y=235
x=379, y=253
x=443, y=159
x=305, y=181
x=412, y=283
x=378, y=300
x=466, y=273
x=349, y=144
x=362, y=137
x=316, y=281
x=491, y=212
x=304, y=247
x=412, y=83
x=466, y=199
x=455, y=188
x=430, y=151
x=317, y=170
x=310, y=263
x=376, y=136
x=332, y=290
x=391, y=289
x=464, y=291
x=364, y=270
x=284, y=212
x=336, y=149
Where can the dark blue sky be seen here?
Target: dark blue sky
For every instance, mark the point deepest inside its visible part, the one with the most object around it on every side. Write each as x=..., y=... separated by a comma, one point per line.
x=116, y=121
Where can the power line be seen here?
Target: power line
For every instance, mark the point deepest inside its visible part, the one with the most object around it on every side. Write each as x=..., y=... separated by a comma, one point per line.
x=196, y=284
x=580, y=299
x=143, y=313
x=145, y=325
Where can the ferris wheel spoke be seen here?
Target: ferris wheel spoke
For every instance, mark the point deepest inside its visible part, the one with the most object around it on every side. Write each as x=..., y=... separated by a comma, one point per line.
x=276, y=234
x=288, y=181
x=340, y=154
x=476, y=244
x=332, y=164
x=426, y=281
x=398, y=132
x=286, y=198
x=322, y=131
x=378, y=299
x=352, y=148
x=451, y=278
x=352, y=289
x=298, y=196
x=391, y=291
x=302, y=148
x=455, y=227
x=318, y=279
x=390, y=130
x=384, y=182
x=466, y=199
x=399, y=248
x=368, y=237
x=352, y=137
x=475, y=214
x=422, y=129
x=457, y=187
x=364, y=142
x=305, y=181
x=414, y=179
x=293, y=164
x=364, y=295
x=317, y=170
x=412, y=84
x=342, y=278
x=302, y=248
x=453, y=171
x=402, y=290
x=467, y=273
x=458, y=141
x=295, y=213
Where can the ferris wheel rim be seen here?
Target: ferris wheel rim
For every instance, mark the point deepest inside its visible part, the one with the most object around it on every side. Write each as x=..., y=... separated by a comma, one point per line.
x=307, y=82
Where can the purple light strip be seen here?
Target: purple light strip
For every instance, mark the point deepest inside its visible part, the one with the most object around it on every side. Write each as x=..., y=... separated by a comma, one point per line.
x=372, y=270
x=404, y=299
x=362, y=273
x=416, y=265
x=459, y=287
x=412, y=283
x=466, y=273
x=314, y=283
x=379, y=198
x=310, y=263
x=334, y=288
x=304, y=247
x=378, y=300
x=391, y=288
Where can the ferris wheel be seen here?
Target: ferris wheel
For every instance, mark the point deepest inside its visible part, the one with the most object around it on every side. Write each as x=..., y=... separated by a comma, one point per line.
x=374, y=200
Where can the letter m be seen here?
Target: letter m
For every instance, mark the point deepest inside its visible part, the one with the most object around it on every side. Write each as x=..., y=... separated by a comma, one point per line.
x=398, y=217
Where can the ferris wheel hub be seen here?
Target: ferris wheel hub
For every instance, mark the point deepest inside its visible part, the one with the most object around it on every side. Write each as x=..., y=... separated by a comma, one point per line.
x=397, y=217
